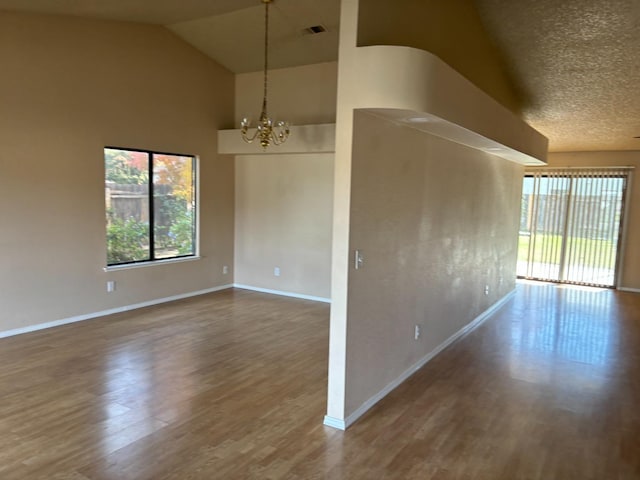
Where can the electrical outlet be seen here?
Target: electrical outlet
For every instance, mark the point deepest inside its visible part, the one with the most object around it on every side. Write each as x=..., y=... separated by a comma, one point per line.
x=486, y=289
x=225, y=269
x=416, y=332
x=111, y=286
x=276, y=272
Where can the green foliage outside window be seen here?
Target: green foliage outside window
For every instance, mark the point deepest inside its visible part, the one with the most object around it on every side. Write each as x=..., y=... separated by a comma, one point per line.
x=182, y=232
x=124, y=168
x=128, y=181
x=126, y=241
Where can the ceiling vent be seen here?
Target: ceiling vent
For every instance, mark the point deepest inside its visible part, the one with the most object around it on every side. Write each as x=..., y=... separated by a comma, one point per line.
x=314, y=30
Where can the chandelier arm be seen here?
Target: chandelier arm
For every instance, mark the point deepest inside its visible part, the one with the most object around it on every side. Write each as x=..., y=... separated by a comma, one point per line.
x=280, y=136
x=245, y=130
x=249, y=139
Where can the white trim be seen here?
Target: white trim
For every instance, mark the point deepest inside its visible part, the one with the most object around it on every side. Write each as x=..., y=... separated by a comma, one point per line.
x=362, y=409
x=334, y=422
x=534, y=168
x=622, y=243
x=197, y=208
x=89, y=316
x=284, y=294
x=151, y=263
x=632, y=290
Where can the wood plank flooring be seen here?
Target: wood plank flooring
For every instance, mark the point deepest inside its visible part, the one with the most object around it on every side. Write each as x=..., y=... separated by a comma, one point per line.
x=232, y=385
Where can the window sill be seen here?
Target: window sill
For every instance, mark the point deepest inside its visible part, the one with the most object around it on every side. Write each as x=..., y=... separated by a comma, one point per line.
x=155, y=263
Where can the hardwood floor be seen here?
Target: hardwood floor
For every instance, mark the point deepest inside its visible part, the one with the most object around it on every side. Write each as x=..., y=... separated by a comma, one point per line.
x=232, y=385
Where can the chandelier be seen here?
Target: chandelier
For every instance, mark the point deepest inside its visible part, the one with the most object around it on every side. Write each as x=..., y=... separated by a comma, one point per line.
x=268, y=131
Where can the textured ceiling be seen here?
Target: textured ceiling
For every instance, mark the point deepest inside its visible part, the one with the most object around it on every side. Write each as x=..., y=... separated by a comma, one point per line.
x=576, y=65
x=574, y=62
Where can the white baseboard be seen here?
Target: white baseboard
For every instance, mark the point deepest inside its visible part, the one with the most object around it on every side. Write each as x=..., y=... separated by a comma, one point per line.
x=334, y=422
x=284, y=294
x=89, y=316
x=362, y=409
x=632, y=290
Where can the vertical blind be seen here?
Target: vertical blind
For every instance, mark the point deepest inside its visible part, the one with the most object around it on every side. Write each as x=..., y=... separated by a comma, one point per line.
x=570, y=224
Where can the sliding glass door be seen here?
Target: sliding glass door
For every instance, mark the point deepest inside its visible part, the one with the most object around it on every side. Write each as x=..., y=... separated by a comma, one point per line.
x=570, y=225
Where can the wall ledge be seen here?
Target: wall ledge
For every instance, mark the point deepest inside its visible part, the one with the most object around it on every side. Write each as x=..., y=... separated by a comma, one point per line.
x=415, y=88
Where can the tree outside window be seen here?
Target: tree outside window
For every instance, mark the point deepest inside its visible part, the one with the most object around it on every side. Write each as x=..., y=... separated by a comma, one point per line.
x=141, y=230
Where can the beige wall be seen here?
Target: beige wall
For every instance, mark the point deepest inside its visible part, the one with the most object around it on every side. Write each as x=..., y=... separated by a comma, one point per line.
x=68, y=88
x=360, y=334
x=436, y=222
x=284, y=201
x=301, y=95
x=283, y=219
x=449, y=29
x=631, y=266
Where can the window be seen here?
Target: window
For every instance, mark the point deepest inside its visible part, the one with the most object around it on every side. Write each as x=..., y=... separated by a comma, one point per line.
x=150, y=202
x=570, y=225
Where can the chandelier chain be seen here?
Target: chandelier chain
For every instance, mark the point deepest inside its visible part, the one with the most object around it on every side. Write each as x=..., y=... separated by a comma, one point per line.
x=268, y=131
x=266, y=55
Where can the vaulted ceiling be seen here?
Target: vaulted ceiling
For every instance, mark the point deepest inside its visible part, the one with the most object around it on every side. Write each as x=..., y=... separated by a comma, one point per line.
x=574, y=63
